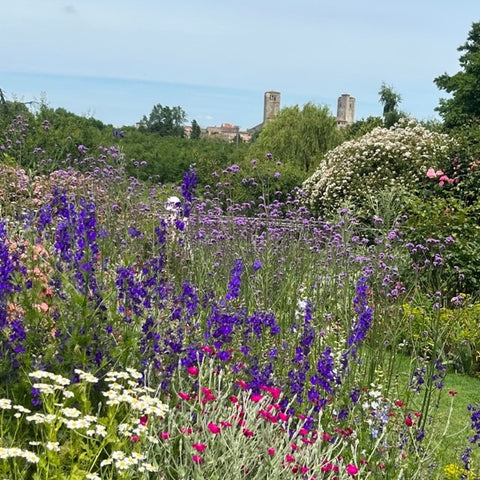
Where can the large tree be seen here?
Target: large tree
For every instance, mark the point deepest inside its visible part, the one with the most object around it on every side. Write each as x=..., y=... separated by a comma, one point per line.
x=298, y=136
x=464, y=87
x=196, y=130
x=165, y=121
x=390, y=101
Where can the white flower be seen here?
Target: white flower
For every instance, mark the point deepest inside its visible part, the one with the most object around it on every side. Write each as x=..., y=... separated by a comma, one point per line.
x=122, y=464
x=53, y=446
x=41, y=418
x=71, y=412
x=86, y=376
x=92, y=476
x=118, y=455
x=22, y=409
x=5, y=403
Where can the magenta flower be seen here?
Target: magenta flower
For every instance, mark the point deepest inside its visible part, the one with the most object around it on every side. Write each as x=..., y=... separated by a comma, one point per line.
x=199, y=447
x=214, y=428
x=352, y=469
x=197, y=459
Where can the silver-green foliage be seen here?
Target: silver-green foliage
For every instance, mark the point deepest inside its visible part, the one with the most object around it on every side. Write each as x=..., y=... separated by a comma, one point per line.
x=384, y=158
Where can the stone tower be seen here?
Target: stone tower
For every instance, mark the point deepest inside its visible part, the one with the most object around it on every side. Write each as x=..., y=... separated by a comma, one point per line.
x=271, y=105
x=345, y=110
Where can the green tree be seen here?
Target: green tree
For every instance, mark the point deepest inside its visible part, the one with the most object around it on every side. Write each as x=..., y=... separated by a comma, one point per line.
x=165, y=121
x=361, y=127
x=464, y=86
x=298, y=136
x=196, y=130
x=390, y=101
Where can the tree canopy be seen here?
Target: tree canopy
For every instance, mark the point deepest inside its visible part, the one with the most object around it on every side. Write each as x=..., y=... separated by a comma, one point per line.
x=390, y=101
x=464, y=86
x=165, y=121
x=299, y=136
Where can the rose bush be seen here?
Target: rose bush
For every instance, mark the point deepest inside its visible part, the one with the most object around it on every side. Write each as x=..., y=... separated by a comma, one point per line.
x=385, y=158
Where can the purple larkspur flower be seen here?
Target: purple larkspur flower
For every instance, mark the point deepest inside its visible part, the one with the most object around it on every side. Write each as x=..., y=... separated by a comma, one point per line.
x=235, y=281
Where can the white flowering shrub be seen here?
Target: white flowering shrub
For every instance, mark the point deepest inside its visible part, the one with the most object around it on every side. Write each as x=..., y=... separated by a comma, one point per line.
x=384, y=158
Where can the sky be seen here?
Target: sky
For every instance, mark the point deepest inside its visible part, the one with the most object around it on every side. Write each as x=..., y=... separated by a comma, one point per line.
x=115, y=60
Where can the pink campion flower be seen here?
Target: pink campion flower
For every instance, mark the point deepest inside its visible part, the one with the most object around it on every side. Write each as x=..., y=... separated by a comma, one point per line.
x=307, y=441
x=289, y=458
x=274, y=392
x=193, y=371
x=267, y=416
x=164, y=435
x=184, y=396
x=352, y=469
x=233, y=398
x=197, y=459
x=242, y=384
x=408, y=421
x=282, y=416
x=247, y=432
x=271, y=451
x=225, y=424
x=144, y=420
x=199, y=447
x=135, y=438
x=214, y=428
x=207, y=349
x=256, y=397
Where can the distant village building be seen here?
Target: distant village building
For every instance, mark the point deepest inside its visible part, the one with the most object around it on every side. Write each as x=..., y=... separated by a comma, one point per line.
x=229, y=132
x=271, y=105
x=187, y=131
x=345, y=110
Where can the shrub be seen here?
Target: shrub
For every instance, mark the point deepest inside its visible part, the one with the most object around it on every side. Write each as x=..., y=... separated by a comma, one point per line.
x=383, y=158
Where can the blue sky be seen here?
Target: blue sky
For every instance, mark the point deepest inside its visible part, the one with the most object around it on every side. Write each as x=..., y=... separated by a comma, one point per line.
x=114, y=60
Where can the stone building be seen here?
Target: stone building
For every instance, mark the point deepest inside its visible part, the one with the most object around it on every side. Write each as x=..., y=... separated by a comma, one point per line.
x=271, y=105
x=345, y=110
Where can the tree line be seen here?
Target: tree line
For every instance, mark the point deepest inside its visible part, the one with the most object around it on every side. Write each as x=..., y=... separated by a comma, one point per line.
x=298, y=136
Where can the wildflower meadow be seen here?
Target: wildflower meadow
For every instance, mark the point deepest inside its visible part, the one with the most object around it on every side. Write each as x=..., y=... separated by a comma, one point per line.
x=170, y=332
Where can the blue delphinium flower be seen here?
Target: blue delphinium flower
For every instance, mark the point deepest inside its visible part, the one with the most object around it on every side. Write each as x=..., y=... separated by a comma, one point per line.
x=189, y=185
x=6, y=265
x=364, y=314
x=235, y=281
x=475, y=424
x=257, y=265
